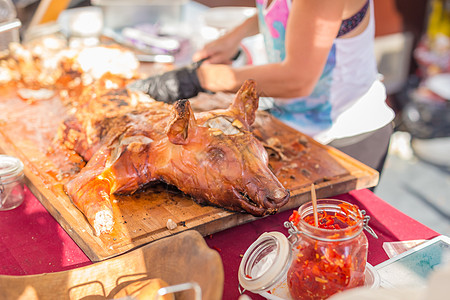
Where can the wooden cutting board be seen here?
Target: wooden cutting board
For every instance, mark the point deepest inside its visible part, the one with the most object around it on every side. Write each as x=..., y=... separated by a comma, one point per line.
x=27, y=131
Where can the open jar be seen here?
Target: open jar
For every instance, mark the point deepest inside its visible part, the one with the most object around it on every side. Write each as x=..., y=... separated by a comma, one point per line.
x=322, y=260
x=11, y=182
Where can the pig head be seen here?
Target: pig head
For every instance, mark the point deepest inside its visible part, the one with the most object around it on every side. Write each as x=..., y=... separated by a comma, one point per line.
x=211, y=156
x=215, y=158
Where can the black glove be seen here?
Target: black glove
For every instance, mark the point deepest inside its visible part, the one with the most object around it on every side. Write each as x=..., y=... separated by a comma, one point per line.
x=171, y=86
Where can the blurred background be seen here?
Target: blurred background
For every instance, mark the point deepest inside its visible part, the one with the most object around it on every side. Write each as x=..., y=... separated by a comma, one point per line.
x=413, y=55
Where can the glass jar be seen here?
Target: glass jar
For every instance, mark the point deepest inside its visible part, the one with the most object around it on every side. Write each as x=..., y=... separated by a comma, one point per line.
x=265, y=263
x=330, y=257
x=321, y=260
x=11, y=182
x=9, y=24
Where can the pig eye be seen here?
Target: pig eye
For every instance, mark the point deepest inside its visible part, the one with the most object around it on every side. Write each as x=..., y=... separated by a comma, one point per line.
x=216, y=154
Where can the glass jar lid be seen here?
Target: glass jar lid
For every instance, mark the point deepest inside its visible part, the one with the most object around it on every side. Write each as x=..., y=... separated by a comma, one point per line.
x=265, y=262
x=10, y=168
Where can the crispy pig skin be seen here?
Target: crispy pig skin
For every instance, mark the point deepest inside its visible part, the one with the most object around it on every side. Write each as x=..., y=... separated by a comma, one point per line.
x=211, y=156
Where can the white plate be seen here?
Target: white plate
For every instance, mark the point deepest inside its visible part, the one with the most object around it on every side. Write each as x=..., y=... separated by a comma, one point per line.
x=281, y=292
x=227, y=17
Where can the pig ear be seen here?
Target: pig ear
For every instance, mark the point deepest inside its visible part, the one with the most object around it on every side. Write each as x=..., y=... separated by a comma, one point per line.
x=182, y=122
x=246, y=102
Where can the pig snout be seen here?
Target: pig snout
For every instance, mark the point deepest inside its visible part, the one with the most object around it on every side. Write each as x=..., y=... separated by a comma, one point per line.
x=276, y=198
x=265, y=199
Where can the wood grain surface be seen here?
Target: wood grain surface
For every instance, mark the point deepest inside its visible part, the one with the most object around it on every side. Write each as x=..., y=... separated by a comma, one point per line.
x=28, y=129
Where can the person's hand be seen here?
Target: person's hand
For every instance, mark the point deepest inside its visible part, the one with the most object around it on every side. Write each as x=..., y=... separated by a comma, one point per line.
x=225, y=48
x=182, y=83
x=220, y=51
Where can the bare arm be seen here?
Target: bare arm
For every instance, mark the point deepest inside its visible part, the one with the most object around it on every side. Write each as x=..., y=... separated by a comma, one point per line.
x=311, y=29
x=221, y=51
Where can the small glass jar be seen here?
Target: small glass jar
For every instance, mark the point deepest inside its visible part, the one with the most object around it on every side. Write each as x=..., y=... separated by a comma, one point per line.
x=9, y=24
x=265, y=263
x=11, y=182
x=322, y=260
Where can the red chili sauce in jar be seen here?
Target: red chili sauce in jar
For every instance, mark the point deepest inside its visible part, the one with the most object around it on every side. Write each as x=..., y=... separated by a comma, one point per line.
x=331, y=257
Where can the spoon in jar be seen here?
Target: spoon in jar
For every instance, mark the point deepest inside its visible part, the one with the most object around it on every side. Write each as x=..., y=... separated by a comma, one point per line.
x=314, y=203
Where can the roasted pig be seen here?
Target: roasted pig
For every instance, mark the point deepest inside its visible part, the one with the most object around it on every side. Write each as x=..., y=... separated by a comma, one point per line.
x=129, y=142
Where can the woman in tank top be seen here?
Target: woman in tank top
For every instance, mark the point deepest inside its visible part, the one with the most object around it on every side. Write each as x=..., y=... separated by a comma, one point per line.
x=321, y=72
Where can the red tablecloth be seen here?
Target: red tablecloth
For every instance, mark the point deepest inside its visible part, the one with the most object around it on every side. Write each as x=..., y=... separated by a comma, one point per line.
x=32, y=242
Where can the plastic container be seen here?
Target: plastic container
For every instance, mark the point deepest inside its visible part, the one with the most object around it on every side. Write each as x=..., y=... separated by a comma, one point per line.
x=11, y=182
x=313, y=262
x=118, y=14
x=9, y=24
